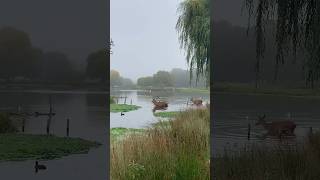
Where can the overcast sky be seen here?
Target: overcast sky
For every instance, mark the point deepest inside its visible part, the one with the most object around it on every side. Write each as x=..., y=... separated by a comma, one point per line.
x=145, y=36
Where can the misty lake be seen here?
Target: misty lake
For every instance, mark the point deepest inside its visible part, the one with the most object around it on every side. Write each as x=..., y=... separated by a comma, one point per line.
x=143, y=117
x=88, y=120
x=231, y=124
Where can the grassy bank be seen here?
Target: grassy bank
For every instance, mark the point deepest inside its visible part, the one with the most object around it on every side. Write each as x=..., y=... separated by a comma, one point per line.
x=177, y=151
x=123, y=107
x=169, y=114
x=194, y=90
x=120, y=133
x=266, y=90
x=23, y=146
x=265, y=164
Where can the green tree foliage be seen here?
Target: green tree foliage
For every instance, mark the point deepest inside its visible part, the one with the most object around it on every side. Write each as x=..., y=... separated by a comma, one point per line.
x=163, y=79
x=297, y=28
x=97, y=65
x=193, y=27
x=145, y=81
x=17, y=56
x=115, y=78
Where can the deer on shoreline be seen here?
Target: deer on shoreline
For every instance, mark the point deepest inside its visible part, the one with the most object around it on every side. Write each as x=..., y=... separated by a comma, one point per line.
x=277, y=128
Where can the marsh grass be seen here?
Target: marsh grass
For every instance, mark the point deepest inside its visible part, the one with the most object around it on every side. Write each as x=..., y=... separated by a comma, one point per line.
x=169, y=114
x=179, y=150
x=123, y=107
x=298, y=162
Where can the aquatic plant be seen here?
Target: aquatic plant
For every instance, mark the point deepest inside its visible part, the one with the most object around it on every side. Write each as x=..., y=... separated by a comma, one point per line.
x=123, y=107
x=26, y=146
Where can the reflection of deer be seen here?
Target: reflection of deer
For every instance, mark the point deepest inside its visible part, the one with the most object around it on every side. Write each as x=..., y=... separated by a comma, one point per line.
x=197, y=102
x=277, y=128
x=159, y=104
x=159, y=108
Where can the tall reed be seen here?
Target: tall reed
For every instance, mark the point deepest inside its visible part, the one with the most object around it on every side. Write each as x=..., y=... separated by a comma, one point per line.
x=175, y=150
x=298, y=162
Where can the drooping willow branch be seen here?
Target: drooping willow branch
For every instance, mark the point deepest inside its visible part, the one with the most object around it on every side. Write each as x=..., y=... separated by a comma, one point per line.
x=193, y=27
x=297, y=28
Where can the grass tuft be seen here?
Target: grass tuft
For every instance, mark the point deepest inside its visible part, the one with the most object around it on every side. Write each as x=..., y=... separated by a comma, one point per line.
x=169, y=114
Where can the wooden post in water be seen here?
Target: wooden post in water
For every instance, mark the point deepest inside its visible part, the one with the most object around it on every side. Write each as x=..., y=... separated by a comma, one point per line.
x=50, y=115
x=68, y=125
x=310, y=131
x=249, y=128
x=125, y=99
x=23, y=123
x=117, y=100
x=131, y=102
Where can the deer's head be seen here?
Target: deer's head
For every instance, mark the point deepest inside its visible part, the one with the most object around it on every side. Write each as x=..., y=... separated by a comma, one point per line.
x=261, y=120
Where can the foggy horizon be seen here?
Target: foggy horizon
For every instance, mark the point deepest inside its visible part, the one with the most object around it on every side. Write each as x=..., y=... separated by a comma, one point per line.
x=76, y=30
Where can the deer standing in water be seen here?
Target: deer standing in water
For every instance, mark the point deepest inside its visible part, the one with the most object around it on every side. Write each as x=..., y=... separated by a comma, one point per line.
x=277, y=128
x=197, y=102
x=160, y=104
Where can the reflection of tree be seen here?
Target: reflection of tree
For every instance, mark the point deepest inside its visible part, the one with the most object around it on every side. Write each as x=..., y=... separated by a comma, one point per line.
x=96, y=100
x=297, y=28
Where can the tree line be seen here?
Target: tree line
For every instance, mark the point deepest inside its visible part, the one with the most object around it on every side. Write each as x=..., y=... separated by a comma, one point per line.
x=19, y=59
x=175, y=78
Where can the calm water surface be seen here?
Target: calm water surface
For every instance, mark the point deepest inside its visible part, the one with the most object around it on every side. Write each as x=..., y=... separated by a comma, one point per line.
x=144, y=117
x=88, y=120
x=231, y=123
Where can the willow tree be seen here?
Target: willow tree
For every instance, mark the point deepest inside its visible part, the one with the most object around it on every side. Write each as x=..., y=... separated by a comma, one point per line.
x=193, y=27
x=297, y=28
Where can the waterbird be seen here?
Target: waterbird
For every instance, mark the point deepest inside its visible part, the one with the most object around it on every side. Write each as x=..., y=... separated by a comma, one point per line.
x=122, y=114
x=39, y=166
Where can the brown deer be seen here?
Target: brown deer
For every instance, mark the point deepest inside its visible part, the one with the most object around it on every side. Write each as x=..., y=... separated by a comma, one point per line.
x=197, y=102
x=160, y=104
x=277, y=128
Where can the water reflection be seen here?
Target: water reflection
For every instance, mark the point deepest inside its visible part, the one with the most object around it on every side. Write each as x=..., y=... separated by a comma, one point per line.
x=233, y=113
